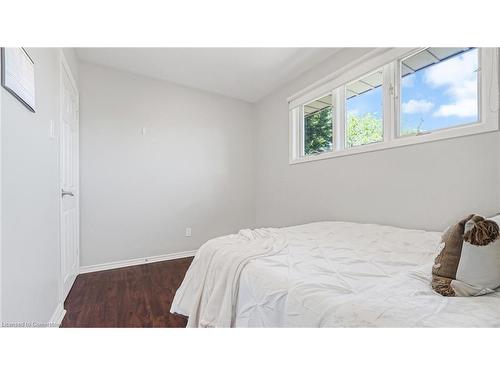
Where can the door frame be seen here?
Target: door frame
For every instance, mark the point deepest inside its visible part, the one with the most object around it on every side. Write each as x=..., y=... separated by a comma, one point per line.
x=65, y=69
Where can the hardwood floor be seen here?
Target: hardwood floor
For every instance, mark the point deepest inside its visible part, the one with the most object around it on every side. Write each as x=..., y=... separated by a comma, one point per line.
x=137, y=296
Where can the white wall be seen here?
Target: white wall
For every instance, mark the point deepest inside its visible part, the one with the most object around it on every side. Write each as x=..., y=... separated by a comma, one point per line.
x=30, y=198
x=192, y=168
x=424, y=186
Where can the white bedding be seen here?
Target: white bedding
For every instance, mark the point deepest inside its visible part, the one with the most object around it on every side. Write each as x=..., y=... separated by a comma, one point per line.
x=332, y=274
x=209, y=290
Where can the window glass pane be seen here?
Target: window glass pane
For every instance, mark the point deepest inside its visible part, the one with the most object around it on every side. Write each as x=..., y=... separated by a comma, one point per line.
x=318, y=122
x=364, y=110
x=439, y=89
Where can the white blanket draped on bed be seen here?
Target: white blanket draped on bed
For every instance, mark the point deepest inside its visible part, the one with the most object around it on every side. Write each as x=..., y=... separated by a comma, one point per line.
x=327, y=274
x=209, y=290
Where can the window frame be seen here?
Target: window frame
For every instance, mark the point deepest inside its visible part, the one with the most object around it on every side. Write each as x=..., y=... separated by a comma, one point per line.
x=302, y=125
x=398, y=95
x=386, y=81
x=389, y=59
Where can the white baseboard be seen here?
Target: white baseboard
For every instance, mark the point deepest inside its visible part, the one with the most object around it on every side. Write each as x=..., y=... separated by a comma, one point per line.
x=57, y=316
x=138, y=261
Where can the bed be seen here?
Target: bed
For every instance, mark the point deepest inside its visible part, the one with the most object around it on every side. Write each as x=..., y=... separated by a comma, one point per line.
x=324, y=274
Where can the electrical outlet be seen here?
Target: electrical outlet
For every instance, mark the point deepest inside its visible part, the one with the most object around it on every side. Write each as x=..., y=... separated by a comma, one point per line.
x=188, y=232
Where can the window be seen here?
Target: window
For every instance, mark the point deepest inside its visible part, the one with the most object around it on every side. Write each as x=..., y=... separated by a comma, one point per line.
x=439, y=90
x=364, y=110
x=394, y=98
x=318, y=126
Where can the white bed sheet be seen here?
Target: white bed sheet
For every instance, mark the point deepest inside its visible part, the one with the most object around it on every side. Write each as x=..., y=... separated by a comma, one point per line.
x=335, y=274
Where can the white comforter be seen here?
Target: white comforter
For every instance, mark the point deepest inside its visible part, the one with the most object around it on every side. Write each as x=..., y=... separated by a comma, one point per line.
x=328, y=274
x=209, y=290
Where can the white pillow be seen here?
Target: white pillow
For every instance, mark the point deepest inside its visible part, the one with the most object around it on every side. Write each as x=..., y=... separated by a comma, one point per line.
x=478, y=270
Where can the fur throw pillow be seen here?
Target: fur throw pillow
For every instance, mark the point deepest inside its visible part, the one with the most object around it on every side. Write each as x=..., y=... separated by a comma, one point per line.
x=468, y=263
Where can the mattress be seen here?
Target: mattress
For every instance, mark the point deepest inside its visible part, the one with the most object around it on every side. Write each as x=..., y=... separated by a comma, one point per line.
x=336, y=274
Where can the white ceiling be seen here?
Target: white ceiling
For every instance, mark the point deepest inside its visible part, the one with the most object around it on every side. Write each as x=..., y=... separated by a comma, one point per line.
x=243, y=73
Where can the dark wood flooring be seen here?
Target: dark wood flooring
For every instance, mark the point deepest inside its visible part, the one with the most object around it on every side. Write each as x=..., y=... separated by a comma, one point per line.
x=137, y=296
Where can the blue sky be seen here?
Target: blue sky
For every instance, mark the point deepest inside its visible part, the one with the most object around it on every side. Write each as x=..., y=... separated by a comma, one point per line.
x=439, y=96
x=368, y=102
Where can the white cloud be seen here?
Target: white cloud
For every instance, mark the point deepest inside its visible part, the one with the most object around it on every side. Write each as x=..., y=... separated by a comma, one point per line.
x=457, y=69
x=417, y=106
x=462, y=108
x=466, y=90
x=458, y=77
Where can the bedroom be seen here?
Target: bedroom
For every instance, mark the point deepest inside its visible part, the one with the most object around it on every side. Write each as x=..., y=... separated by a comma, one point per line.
x=221, y=184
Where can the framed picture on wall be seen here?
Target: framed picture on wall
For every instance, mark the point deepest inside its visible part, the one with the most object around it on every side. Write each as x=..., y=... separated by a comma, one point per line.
x=18, y=75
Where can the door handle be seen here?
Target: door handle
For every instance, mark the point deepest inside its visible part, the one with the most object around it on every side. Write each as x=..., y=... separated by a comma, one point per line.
x=64, y=193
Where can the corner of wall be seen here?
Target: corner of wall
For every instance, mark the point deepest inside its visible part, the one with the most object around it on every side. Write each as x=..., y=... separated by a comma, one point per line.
x=255, y=125
x=73, y=63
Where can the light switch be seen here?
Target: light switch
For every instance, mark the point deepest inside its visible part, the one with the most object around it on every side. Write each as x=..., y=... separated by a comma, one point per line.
x=188, y=232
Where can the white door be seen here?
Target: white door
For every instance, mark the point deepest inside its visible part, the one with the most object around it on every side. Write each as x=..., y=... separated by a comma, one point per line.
x=69, y=181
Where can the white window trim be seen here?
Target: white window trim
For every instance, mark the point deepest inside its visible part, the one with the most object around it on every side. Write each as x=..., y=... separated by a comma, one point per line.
x=386, y=116
x=301, y=118
x=488, y=107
